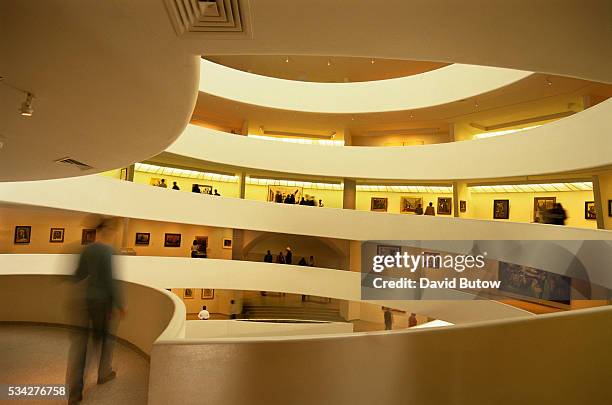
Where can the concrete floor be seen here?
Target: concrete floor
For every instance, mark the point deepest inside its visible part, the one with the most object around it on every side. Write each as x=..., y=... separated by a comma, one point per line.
x=38, y=355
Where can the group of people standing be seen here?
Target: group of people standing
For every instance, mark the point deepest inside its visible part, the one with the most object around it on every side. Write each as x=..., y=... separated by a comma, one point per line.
x=429, y=210
x=287, y=258
x=195, y=188
x=291, y=198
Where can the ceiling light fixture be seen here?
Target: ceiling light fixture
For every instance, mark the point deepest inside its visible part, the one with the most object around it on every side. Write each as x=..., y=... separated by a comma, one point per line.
x=328, y=62
x=548, y=81
x=372, y=61
x=26, y=109
x=287, y=59
x=476, y=105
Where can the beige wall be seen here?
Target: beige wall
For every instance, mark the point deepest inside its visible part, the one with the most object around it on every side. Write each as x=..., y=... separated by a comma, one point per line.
x=401, y=140
x=364, y=200
x=480, y=206
x=226, y=189
x=188, y=233
x=43, y=219
x=220, y=304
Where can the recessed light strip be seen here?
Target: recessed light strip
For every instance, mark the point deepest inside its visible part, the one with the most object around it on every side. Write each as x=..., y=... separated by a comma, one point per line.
x=533, y=188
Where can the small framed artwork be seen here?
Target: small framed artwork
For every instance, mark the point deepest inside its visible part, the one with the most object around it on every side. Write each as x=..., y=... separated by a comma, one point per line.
x=22, y=234
x=501, y=209
x=410, y=204
x=541, y=205
x=205, y=189
x=445, y=205
x=123, y=175
x=88, y=236
x=589, y=210
x=172, y=240
x=387, y=250
x=142, y=239
x=462, y=206
x=56, y=235
x=208, y=294
x=227, y=243
x=378, y=204
x=610, y=208
x=188, y=293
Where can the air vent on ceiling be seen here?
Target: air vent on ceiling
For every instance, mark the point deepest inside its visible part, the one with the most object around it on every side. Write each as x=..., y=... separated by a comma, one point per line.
x=213, y=19
x=69, y=161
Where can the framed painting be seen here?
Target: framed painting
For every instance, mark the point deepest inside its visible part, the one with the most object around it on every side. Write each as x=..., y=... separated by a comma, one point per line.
x=22, y=234
x=88, y=236
x=208, y=294
x=387, y=250
x=172, y=240
x=410, y=204
x=540, y=206
x=610, y=208
x=142, y=239
x=56, y=235
x=227, y=243
x=445, y=205
x=462, y=206
x=501, y=209
x=285, y=194
x=589, y=210
x=378, y=204
x=188, y=293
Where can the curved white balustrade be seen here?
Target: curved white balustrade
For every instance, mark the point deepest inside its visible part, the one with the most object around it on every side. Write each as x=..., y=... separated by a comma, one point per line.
x=151, y=314
x=445, y=85
x=99, y=195
x=172, y=272
x=578, y=142
x=465, y=364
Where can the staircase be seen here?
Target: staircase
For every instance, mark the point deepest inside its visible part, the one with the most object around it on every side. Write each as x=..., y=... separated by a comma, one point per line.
x=313, y=313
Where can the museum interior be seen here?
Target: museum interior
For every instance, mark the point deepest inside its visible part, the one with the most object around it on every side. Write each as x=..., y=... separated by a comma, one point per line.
x=237, y=155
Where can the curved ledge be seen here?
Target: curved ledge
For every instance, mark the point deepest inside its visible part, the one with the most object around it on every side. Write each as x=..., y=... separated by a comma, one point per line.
x=56, y=293
x=103, y=80
x=550, y=148
x=440, y=86
x=97, y=194
x=170, y=272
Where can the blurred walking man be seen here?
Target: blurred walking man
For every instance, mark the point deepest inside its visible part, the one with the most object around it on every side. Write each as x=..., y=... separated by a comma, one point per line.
x=94, y=311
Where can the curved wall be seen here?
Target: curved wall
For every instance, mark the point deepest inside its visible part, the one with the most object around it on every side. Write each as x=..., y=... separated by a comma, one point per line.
x=150, y=314
x=97, y=194
x=561, y=146
x=568, y=39
x=440, y=86
x=559, y=358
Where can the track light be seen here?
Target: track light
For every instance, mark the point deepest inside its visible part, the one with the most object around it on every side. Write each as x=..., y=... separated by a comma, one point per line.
x=287, y=59
x=372, y=61
x=548, y=82
x=328, y=62
x=26, y=109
